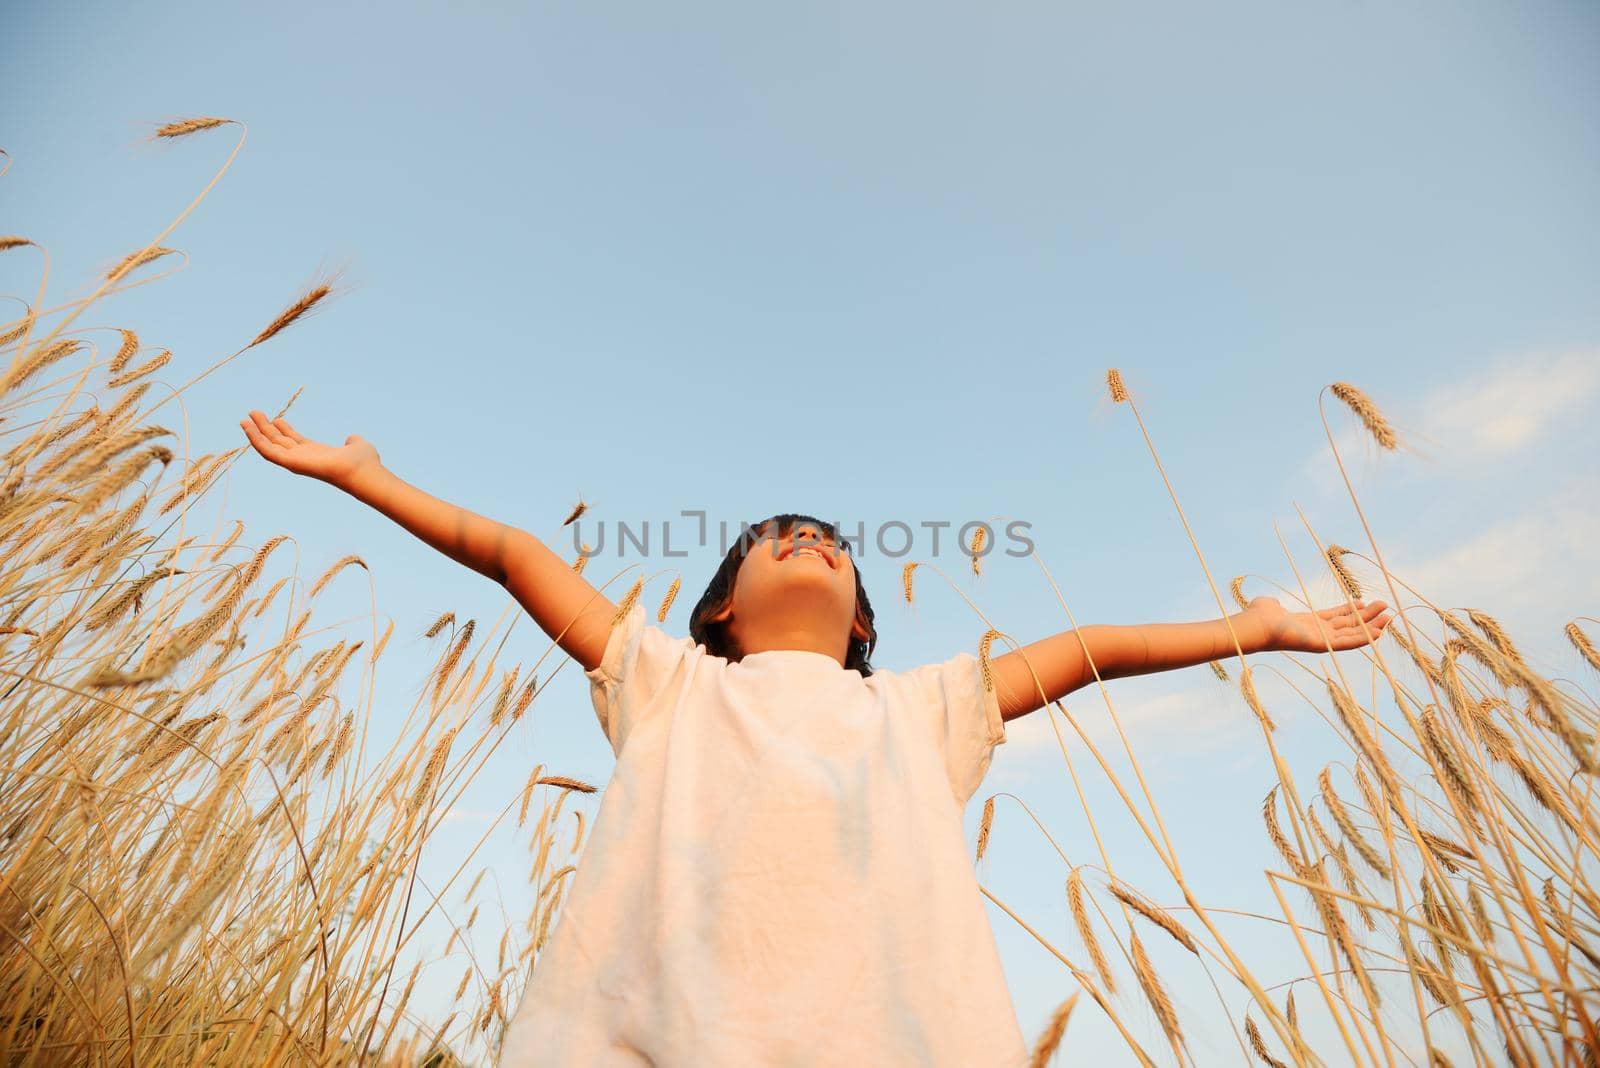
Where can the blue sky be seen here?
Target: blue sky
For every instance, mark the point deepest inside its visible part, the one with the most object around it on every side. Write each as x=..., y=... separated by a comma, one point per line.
x=872, y=261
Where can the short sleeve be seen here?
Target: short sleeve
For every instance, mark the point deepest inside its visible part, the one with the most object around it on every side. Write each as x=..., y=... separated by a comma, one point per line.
x=964, y=716
x=633, y=680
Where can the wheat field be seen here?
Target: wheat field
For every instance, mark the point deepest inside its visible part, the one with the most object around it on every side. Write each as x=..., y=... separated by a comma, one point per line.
x=174, y=758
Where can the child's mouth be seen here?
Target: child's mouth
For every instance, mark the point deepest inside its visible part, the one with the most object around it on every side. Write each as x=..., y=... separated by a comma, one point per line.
x=810, y=550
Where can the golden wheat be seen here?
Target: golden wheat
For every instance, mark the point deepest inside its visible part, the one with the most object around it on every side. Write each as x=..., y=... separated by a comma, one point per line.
x=1258, y=1045
x=137, y=259
x=1341, y=816
x=502, y=699
x=1049, y=1039
x=1247, y=687
x=983, y=826
x=1335, y=555
x=185, y=127
x=1580, y=641
x=524, y=699
x=452, y=658
x=37, y=360
x=566, y=783
x=985, y=644
x=1155, y=992
x=1091, y=944
x=666, y=602
x=1362, y=405
x=1497, y=635
x=430, y=773
x=155, y=363
x=628, y=601
x=293, y=313
x=1155, y=914
x=125, y=352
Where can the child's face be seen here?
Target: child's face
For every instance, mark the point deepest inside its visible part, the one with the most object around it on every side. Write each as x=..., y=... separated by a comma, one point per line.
x=802, y=580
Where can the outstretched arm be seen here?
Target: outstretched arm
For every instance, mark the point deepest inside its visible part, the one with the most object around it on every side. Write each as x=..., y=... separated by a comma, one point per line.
x=1061, y=666
x=561, y=601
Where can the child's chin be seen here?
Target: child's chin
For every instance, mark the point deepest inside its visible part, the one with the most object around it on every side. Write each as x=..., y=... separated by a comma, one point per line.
x=811, y=586
x=807, y=576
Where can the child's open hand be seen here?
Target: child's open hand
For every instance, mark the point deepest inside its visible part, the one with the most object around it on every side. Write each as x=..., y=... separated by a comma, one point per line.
x=1300, y=632
x=279, y=442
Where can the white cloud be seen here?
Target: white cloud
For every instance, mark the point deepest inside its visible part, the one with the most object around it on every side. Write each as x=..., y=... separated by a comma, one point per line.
x=1521, y=567
x=1508, y=404
x=1490, y=412
x=1204, y=715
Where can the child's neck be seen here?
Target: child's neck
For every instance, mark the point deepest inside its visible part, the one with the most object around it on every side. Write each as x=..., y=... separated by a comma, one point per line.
x=789, y=635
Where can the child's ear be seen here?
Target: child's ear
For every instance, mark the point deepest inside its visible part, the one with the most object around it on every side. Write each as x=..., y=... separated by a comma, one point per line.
x=721, y=615
x=858, y=629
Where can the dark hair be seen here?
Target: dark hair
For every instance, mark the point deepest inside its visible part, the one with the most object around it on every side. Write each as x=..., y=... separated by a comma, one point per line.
x=715, y=636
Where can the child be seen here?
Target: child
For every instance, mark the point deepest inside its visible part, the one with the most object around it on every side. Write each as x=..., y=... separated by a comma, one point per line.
x=778, y=874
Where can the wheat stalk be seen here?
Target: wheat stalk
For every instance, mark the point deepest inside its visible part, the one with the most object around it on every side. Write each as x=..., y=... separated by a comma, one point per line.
x=565, y=783
x=1156, y=915
x=1580, y=641
x=185, y=127
x=1335, y=555
x=1091, y=944
x=293, y=313
x=628, y=601
x=1150, y=983
x=1119, y=392
x=1373, y=419
x=666, y=602
x=1050, y=1038
x=1258, y=1045
x=430, y=773
x=983, y=826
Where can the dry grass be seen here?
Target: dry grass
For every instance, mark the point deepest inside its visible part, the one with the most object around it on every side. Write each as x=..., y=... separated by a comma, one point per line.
x=1475, y=829
x=173, y=760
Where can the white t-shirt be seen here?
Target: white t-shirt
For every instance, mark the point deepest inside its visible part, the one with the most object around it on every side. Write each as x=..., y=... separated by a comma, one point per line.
x=778, y=875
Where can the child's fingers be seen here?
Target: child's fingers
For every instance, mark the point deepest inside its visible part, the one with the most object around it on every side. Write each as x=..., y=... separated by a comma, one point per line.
x=257, y=438
x=289, y=431
x=265, y=445
x=262, y=425
x=260, y=443
x=1365, y=609
x=266, y=428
